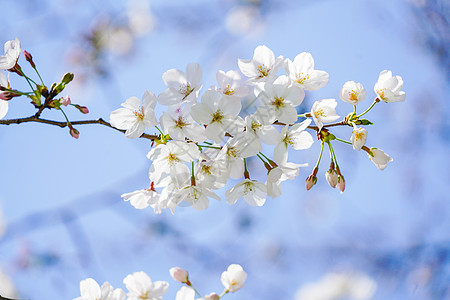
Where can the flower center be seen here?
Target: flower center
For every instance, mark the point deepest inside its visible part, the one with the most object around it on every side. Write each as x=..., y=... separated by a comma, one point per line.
x=180, y=123
x=206, y=169
x=301, y=78
x=359, y=135
x=255, y=126
x=278, y=102
x=228, y=91
x=217, y=116
x=139, y=114
x=232, y=152
x=319, y=113
x=263, y=71
x=144, y=296
x=353, y=95
x=381, y=93
x=172, y=158
x=186, y=90
x=249, y=188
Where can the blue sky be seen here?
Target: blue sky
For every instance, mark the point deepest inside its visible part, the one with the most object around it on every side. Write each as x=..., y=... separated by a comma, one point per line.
x=61, y=197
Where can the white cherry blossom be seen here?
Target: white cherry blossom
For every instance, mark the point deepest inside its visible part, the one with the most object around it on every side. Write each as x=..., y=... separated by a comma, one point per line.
x=135, y=118
x=279, y=100
x=185, y=293
x=141, y=199
x=294, y=136
x=301, y=71
x=324, y=111
x=140, y=286
x=282, y=172
x=379, y=158
x=220, y=114
x=256, y=131
x=12, y=52
x=210, y=172
x=263, y=67
x=388, y=87
x=233, y=279
x=3, y=96
x=253, y=192
x=230, y=84
x=178, y=123
x=182, y=86
x=196, y=195
x=358, y=138
x=90, y=290
x=352, y=92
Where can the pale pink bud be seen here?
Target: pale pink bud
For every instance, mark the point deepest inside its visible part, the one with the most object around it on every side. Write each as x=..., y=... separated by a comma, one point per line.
x=65, y=100
x=212, y=296
x=84, y=109
x=310, y=181
x=179, y=274
x=29, y=58
x=341, y=183
x=74, y=133
x=332, y=177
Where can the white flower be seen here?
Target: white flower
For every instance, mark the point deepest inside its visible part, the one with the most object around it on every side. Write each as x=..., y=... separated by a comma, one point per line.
x=279, y=100
x=220, y=114
x=179, y=124
x=90, y=290
x=296, y=137
x=135, y=118
x=284, y=171
x=263, y=67
x=233, y=279
x=182, y=87
x=6, y=286
x=210, y=172
x=388, y=87
x=185, y=293
x=195, y=195
x=12, y=52
x=301, y=71
x=253, y=192
x=141, y=199
x=324, y=111
x=352, y=92
x=140, y=286
x=358, y=138
x=379, y=158
x=169, y=159
x=3, y=104
x=332, y=177
x=230, y=84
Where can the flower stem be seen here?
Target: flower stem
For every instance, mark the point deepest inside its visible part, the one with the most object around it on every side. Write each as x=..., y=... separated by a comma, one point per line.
x=39, y=75
x=343, y=141
x=208, y=146
x=370, y=107
x=264, y=156
x=162, y=133
x=320, y=156
x=65, y=116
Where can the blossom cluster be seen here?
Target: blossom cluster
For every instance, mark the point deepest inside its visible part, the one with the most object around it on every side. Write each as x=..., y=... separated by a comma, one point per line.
x=140, y=286
x=204, y=141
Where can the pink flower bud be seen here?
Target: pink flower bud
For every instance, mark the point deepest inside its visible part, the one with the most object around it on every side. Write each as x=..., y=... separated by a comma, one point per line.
x=179, y=274
x=310, y=181
x=65, y=100
x=84, y=109
x=212, y=296
x=332, y=177
x=341, y=183
x=74, y=133
x=29, y=58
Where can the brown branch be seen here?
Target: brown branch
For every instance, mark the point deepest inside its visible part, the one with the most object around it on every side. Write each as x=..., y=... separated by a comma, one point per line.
x=36, y=119
x=342, y=123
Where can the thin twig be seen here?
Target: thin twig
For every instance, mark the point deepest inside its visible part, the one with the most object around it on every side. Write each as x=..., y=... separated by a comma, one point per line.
x=36, y=119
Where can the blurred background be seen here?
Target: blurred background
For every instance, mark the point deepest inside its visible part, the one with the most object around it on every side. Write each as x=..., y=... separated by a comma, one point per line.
x=62, y=218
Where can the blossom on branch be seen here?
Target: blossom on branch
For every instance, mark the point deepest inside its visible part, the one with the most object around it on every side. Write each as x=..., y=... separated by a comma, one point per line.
x=3, y=96
x=352, y=92
x=324, y=111
x=12, y=52
x=233, y=279
x=301, y=71
x=90, y=290
x=135, y=118
x=388, y=87
x=263, y=67
x=140, y=286
x=379, y=158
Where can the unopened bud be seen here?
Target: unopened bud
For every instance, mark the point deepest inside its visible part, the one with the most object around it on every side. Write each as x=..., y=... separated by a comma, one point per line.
x=74, y=133
x=68, y=77
x=212, y=296
x=341, y=183
x=332, y=177
x=29, y=58
x=82, y=109
x=310, y=181
x=179, y=274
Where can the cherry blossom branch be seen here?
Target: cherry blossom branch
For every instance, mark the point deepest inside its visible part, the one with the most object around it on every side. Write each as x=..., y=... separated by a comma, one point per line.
x=37, y=119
